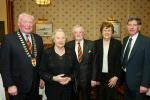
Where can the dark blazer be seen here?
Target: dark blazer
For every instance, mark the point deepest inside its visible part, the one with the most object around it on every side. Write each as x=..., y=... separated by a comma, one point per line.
x=16, y=67
x=114, y=53
x=138, y=65
x=85, y=65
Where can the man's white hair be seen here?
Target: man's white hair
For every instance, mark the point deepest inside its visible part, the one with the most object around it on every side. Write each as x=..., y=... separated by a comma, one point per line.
x=21, y=16
x=78, y=26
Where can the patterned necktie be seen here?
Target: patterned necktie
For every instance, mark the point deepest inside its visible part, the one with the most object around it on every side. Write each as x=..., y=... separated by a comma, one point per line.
x=80, y=53
x=29, y=45
x=126, y=53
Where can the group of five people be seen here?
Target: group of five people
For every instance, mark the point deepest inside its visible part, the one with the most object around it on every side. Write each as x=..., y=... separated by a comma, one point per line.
x=69, y=70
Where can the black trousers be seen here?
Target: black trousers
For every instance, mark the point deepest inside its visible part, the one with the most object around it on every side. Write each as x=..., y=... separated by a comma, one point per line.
x=103, y=91
x=84, y=91
x=33, y=94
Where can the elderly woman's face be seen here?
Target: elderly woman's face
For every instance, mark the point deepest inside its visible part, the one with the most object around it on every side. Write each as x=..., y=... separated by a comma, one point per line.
x=107, y=33
x=59, y=39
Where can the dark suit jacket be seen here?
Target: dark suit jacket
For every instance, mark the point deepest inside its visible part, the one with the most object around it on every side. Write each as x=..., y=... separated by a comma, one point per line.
x=138, y=65
x=85, y=70
x=114, y=53
x=16, y=67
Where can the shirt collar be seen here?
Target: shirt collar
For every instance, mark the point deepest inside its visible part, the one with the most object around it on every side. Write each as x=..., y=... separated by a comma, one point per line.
x=134, y=36
x=81, y=42
x=25, y=37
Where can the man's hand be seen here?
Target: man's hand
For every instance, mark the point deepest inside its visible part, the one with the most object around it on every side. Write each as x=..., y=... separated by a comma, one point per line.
x=42, y=84
x=12, y=90
x=143, y=89
x=93, y=83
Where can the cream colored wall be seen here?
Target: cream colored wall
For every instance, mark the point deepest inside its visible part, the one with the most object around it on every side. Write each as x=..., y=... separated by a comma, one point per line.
x=89, y=13
x=3, y=13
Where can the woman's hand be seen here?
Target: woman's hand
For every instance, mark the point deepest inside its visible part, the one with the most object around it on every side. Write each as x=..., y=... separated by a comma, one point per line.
x=112, y=82
x=61, y=79
x=66, y=81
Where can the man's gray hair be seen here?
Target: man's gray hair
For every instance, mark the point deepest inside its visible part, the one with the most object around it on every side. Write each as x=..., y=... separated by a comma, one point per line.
x=131, y=18
x=78, y=26
x=24, y=14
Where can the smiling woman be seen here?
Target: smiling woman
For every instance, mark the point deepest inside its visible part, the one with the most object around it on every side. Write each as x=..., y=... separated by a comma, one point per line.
x=59, y=68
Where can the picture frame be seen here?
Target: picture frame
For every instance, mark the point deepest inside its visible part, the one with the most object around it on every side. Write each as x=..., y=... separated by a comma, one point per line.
x=117, y=28
x=44, y=29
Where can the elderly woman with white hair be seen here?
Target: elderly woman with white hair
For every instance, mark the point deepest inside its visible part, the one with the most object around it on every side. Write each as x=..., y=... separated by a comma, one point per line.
x=59, y=69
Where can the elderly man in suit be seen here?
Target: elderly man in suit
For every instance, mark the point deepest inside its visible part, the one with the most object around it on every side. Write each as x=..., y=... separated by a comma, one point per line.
x=20, y=58
x=135, y=61
x=83, y=49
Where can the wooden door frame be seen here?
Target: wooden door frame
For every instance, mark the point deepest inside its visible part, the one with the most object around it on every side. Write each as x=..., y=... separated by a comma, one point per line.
x=10, y=20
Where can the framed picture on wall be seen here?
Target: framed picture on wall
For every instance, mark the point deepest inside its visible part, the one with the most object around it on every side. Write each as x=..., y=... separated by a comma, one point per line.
x=44, y=29
x=117, y=29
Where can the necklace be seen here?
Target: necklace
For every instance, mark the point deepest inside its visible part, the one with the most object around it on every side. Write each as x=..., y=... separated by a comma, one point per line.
x=31, y=55
x=59, y=51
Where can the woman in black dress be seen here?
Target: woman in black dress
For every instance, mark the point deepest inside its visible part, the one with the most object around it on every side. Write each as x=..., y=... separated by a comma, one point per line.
x=59, y=69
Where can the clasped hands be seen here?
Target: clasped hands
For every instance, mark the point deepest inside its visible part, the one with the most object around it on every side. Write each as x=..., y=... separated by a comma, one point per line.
x=62, y=79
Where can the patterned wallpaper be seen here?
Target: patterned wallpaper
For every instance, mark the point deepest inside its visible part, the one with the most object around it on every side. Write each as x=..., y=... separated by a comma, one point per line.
x=89, y=13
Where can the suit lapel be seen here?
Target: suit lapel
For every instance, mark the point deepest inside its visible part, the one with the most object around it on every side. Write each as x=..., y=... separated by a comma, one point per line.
x=35, y=42
x=21, y=47
x=19, y=44
x=110, y=50
x=101, y=50
x=73, y=45
x=135, y=47
x=124, y=44
x=99, y=47
x=85, y=49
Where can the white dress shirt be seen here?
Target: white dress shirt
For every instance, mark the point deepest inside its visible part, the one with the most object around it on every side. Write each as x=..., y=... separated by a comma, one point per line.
x=134, y=37
x=105, y=56
x=29, y=37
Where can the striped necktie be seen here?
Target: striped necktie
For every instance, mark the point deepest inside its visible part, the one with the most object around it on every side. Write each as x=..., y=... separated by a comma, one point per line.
x=29, y=45
x=80, y=53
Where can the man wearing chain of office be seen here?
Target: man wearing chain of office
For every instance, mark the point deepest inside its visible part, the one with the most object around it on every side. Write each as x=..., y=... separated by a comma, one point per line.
x=21, y=53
